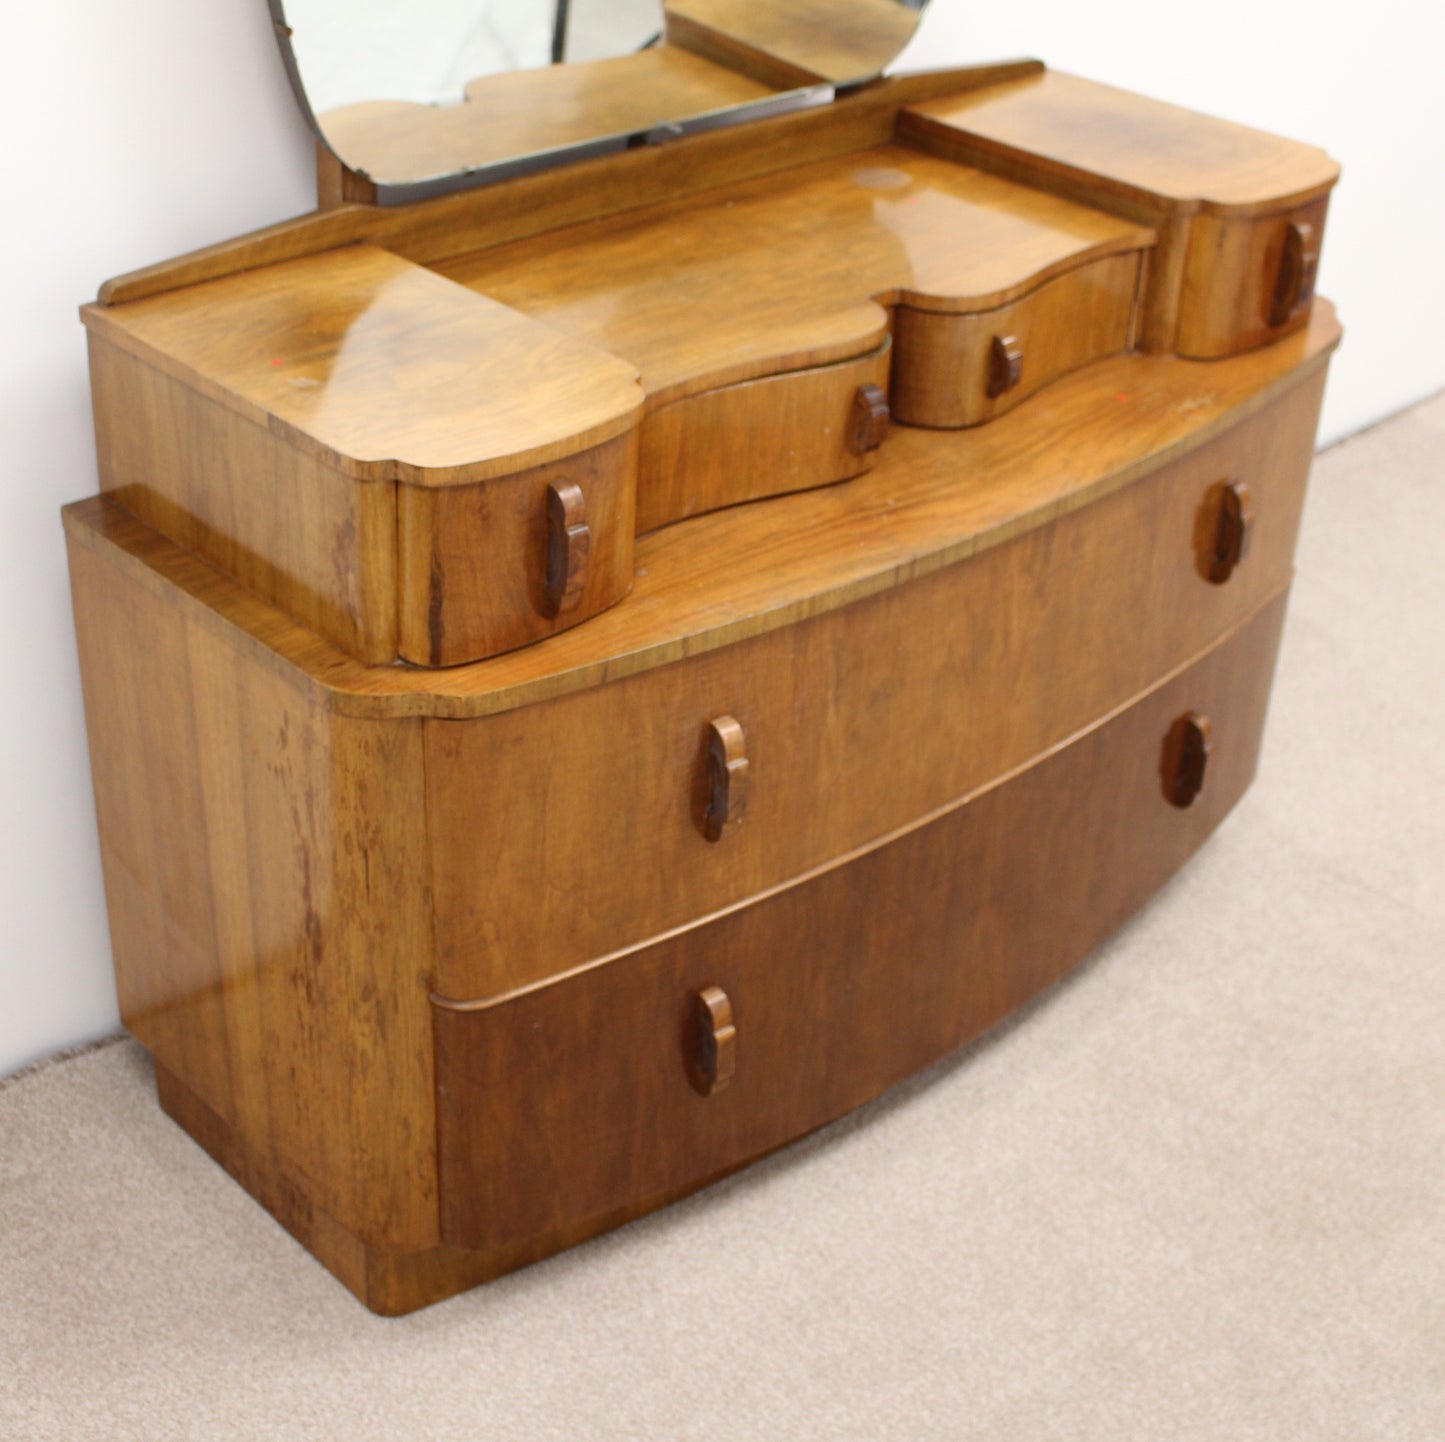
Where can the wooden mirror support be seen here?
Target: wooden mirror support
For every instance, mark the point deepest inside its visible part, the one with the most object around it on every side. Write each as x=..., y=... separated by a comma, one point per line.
x=641, y=658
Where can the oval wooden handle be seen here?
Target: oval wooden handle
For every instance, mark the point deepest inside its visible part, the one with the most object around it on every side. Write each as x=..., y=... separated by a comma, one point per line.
x=1233, y=531
x=711, y=1046
x=869, y=419
x=1294, y=286
x=569, y=546
x=1005, y=365
x=1186, y=755
x=727, y=776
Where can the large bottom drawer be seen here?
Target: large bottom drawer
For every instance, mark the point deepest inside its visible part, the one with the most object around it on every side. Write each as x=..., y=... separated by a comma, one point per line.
x=650, y=1072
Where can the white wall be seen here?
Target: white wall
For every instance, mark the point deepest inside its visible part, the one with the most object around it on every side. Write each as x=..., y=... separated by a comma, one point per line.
x=174, y=127
x=131, y=132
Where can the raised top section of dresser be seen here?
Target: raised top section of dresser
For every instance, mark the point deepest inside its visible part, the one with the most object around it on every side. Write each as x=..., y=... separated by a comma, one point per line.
x=931, y=501
x=436, y=451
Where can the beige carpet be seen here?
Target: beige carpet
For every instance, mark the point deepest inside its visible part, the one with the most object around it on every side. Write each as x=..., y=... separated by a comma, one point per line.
x=1196, y=1192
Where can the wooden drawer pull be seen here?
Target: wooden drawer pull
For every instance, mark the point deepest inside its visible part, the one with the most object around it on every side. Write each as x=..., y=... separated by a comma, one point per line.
x=569, y=544
x=1186, y=753
x=727, y=776
x=1234, y=529
x=711, y=1045
x=868, y=421
x=1295, y=285
x=1005, y=365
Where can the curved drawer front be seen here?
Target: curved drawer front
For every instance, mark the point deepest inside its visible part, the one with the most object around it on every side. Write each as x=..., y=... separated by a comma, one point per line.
x=708, y=1048
x=1248, y=281
x=488, y=567
x=764, y=437
x=346, y=433
x=960, y=370
x=1223, y=197
x=570, y=829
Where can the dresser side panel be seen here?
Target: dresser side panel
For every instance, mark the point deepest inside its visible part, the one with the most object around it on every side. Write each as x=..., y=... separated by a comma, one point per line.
x=266, y=874
x=311, y=540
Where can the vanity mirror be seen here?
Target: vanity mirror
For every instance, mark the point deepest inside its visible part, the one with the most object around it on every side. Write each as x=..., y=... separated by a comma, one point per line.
x=417, y=100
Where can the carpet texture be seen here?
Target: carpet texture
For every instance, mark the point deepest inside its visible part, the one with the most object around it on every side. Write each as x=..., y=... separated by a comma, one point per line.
x=1197, y=1191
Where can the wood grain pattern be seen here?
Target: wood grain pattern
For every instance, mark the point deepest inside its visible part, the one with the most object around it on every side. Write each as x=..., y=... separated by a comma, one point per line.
x=917, y=695
x=363, y=363
x=473, y=561
x=381, y=369
x=288, y=424
x=429, y=231
x=389, y=1282
x=819, y=253
x=1017, y=845
x=523, y=112
x=265, y=869
x=721, y=578
x=1141, y=149
x=284, y=522
x=945, y=375
x=759, y=438
x=1213, y=190
x=454, y=967
x=337, y=186
x=1230, y=278
x=1020, y=882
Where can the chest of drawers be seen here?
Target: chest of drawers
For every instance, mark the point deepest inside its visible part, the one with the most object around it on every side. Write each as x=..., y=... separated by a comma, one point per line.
x=784, y=749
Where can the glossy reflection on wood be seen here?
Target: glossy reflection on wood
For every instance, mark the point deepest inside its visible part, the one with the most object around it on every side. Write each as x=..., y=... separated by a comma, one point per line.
x=1219, y=193
x=537, y=204
x=453, y=965
x=381, y=369
x=375, y=370
x=820, y=254
x=743, y=572
x=265, y=870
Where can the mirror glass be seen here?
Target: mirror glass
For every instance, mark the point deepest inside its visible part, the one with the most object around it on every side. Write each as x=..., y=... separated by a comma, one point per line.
x=424, y=96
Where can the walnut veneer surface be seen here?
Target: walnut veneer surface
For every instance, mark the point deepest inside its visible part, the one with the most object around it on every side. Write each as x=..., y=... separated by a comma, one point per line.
x=788, y=749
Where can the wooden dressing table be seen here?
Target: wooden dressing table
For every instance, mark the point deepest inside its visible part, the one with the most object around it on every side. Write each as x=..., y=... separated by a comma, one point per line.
x=592, y=677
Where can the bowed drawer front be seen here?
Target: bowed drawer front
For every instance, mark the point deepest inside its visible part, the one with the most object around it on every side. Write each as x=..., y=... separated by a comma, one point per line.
x=764, y=437
x=962, y=369
x=846, y=726
x=1240, y=214
x=657, y=1070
